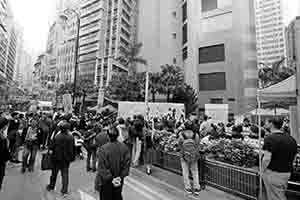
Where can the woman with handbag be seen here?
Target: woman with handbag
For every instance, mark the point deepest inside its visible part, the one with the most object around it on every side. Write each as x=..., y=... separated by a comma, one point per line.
x=31, y=147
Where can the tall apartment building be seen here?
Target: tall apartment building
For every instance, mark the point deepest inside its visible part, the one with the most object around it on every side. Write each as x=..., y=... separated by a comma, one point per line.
x=107, y=27
x=270, y=31
x=12, y=52
x=3, y=39
x=66, y=48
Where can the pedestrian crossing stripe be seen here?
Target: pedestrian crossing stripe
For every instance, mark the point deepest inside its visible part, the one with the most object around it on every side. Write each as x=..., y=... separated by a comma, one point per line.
x=85, y=196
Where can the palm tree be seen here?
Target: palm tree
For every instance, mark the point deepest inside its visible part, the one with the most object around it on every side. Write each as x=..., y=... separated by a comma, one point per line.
x=154, y=84
x=171, y=77
x=130, y=57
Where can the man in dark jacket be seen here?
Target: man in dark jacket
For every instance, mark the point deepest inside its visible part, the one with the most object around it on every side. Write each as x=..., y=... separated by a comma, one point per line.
x=63, y=153
x=12, y=135
x=5, y=155
x=113, y=167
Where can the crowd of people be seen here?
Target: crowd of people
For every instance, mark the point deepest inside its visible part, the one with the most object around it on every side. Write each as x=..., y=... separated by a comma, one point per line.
x=112, y=146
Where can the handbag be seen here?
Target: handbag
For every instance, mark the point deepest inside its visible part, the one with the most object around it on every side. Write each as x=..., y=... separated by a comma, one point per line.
x=46, y=162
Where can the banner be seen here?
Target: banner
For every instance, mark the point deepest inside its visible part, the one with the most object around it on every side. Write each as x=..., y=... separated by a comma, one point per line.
x=67, y=103
x=129, y=109
x=218, y=112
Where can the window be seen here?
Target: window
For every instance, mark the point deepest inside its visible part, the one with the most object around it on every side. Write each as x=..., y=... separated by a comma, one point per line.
x=231, y=99
x=211, y=54
x=184, y=12
x=184, y=34
x=216, y=101
x=212, y=81
x=185, y=53
x=208, y=5
x=174, y=61
x=174, y=14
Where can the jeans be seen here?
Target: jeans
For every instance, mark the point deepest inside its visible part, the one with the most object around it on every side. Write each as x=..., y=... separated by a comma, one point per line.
x=2, y=174
x=64, y=171
x=186, y=167
x=136, y=151
x=149, y=156
x=29, y=153
x=109, y=192
x=13, y=148
x=91, y=155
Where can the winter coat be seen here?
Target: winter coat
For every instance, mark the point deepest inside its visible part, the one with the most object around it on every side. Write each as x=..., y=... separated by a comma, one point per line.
x=114, y=161
x=101, y=139
x=63, y=149
x=5, y=155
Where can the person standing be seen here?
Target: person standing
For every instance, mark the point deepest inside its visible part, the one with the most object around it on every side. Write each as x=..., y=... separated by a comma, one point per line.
x=31, y=147
x=62, y=149
x=279, y=151
x=113, y=167
x=205, y=127
x=189, y=144
x=90, y=145
x=12, y=134
x=5, y=155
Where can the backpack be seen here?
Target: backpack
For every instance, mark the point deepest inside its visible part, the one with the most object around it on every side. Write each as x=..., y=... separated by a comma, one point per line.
x=190, y=151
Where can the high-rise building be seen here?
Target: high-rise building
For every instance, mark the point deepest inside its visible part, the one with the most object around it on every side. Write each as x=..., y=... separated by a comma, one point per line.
x=12, y=52
x=66, y=48
x=3, y=39
x=291, y=38
x=107, y=27
x=270, y=31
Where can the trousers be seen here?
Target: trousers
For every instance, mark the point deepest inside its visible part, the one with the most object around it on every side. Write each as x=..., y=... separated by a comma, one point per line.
x=29, y=155
x=186, y=167
x=2, y=174
x=109, y=192
x=64, y=171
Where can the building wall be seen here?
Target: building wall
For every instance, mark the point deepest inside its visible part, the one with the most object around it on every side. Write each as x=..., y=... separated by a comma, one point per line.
x=209, y=26
x=11, y=55
x=159, y=29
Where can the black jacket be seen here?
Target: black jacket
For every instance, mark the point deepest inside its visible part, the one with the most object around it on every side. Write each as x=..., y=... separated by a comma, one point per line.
x=5, y=155
x=114, y=161
x=63, y=149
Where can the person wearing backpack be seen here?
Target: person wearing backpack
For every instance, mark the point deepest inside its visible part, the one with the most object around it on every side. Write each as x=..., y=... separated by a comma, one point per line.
x=189, y=142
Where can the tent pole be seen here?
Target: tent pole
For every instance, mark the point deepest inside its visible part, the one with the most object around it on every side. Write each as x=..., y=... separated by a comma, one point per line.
x=260, y=147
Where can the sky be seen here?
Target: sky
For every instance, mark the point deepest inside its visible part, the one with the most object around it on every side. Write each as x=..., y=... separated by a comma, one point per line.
x=35, y=18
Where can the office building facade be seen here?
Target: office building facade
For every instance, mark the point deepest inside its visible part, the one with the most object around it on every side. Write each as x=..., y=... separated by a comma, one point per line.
x=3, y=39
x=107, y=27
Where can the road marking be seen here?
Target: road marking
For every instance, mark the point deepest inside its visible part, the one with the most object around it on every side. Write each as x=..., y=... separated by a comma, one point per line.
x=145, y=188
x=141, y=192
x=85, y=196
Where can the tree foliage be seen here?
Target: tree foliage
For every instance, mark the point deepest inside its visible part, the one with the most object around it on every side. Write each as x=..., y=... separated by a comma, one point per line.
x=187, y=95
x=131, y=56
x=172, y=78
x=270, y=75
x=123, y=87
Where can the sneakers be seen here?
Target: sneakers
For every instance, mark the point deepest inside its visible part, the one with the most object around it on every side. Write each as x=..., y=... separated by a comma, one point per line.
x=188, y=191
x=49, y=188
x=197, y=192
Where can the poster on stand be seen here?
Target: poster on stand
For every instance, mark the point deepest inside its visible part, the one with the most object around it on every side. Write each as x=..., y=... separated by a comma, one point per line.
x=129, y=109
x=217, y=112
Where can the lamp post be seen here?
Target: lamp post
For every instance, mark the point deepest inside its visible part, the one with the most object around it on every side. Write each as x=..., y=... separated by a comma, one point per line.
x=76, y=49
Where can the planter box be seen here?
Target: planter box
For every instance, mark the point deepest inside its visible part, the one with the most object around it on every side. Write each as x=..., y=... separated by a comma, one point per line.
x=236, y=180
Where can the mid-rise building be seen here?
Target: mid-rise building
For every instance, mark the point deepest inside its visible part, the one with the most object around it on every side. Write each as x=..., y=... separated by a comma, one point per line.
x=11, y=54
x=107, y=27
x=219, y=52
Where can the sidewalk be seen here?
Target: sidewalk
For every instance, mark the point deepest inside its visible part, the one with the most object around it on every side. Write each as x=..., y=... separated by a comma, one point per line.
x=168, y=182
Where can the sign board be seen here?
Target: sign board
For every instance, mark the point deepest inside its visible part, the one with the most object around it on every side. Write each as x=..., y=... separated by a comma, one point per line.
x=67, y=103
x=218, y=112
x=129, y=109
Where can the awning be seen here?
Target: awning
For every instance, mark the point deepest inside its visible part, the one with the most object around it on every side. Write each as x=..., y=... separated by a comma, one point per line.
x=284, y=89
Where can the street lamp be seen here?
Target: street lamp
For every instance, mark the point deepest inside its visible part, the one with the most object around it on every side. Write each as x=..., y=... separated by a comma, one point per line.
x=64, y=17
